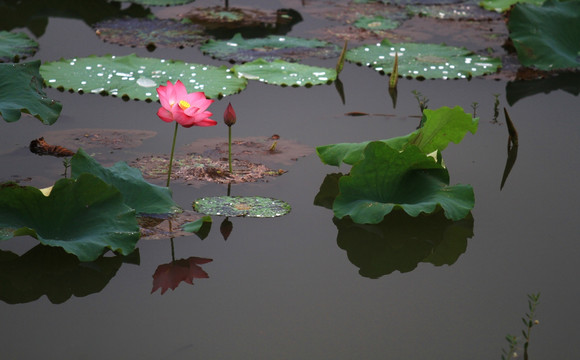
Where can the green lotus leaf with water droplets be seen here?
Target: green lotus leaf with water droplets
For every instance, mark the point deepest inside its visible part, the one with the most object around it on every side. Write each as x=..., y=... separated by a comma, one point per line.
x=250, y=206
x=504, y=5
x=136, y=77
x=16, y=46
x=284, y=73
x=269, y=48
x=21, y=92
x=547, y=37
x=424, y=61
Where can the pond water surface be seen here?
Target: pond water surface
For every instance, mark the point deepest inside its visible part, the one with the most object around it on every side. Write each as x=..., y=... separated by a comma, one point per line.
x=285, y=288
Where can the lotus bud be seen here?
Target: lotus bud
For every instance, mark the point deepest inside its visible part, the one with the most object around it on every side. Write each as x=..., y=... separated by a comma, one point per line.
x=229, y=115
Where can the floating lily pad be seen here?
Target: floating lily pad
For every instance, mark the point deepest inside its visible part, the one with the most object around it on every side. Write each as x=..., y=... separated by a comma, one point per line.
x=505, y=5
x=193, y=168
x=250, y=206
x=453, y=12
x=114, y=139
x=16, y=46
x=84, y=216
x=376, y=23
x=138, y=194
x=21, y=92
x=255, y=149
x=284, y=73
x=547, y=37
x=424, y=61
x=270, y=48
x=137, y=78
x=150, y=33
x=386, y=179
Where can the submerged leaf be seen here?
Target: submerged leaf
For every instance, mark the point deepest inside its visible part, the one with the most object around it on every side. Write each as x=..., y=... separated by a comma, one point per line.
x=250, y=206
x=84, y=216
x=284, y=73
x=386, y=179
x=21, y=91
x=136, y=78
x=269, y=48
x=427, y=61
x=547, y=36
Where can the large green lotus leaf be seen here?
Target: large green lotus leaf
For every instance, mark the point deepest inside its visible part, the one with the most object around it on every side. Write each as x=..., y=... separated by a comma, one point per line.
x=424, y=61
x=504, y=5
x=21, y=91
x=284, y=73
x=16, y=46
x=547, y=37
x=269, y=48
x=386, y=179
x=50, y=271
x=137, y=78
x=440, y=127
x=85, y=216
x=150, y=33
x=140, y=195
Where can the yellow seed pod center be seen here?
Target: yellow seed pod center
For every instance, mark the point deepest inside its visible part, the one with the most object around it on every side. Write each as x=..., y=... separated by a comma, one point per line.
x=183, y=104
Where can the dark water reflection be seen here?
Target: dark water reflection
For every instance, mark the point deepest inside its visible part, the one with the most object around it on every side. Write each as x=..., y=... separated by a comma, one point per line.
x=282, y=288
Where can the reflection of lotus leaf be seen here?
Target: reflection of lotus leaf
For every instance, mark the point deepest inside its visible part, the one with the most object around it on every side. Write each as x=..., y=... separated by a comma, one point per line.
x=16, y=46
x=150, y=32
x=120, y=76
x=250, y=206
x=269, y=48
x=429, y=61
x=400, y=242
x=46, y=270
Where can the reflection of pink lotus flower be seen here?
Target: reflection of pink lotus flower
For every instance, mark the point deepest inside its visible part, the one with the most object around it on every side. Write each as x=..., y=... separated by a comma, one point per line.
x=168, y=276
x=187, y=109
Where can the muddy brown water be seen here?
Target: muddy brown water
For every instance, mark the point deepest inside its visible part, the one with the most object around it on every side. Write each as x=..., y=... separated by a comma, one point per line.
x=283, y=288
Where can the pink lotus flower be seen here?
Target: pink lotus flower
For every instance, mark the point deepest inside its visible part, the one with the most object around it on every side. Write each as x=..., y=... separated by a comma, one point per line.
x=187, y=109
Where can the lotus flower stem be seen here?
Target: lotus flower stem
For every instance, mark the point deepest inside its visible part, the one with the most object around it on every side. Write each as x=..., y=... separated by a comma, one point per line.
x=171, y=157
x=230, y=147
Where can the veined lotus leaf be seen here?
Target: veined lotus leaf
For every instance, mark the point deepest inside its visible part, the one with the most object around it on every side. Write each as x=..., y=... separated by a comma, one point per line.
x=196, y=225
x=424, y=61
x=505, y=5
x=250, y=206
x=376, y=23
x=238, y=19
x=269, y=48
x=50, y=271
x=136, y=77
x=547, y=37
x=84, y=216
x=159, y=2
x=440, y=127
x=150, y=33
x=21, y=91
x=284, y=73
x=16, y=46
x=140, y=195
x=386, y=179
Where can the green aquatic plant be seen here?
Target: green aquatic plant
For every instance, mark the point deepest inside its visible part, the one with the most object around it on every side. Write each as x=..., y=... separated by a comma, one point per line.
x=21, y=92
x=546, y=36
x=248, y=206
x=424, y=61
x=505, y=5
x=283, y=73
x=529, y=322
x=405, y=172
x=16, y=46
x=134, y=77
